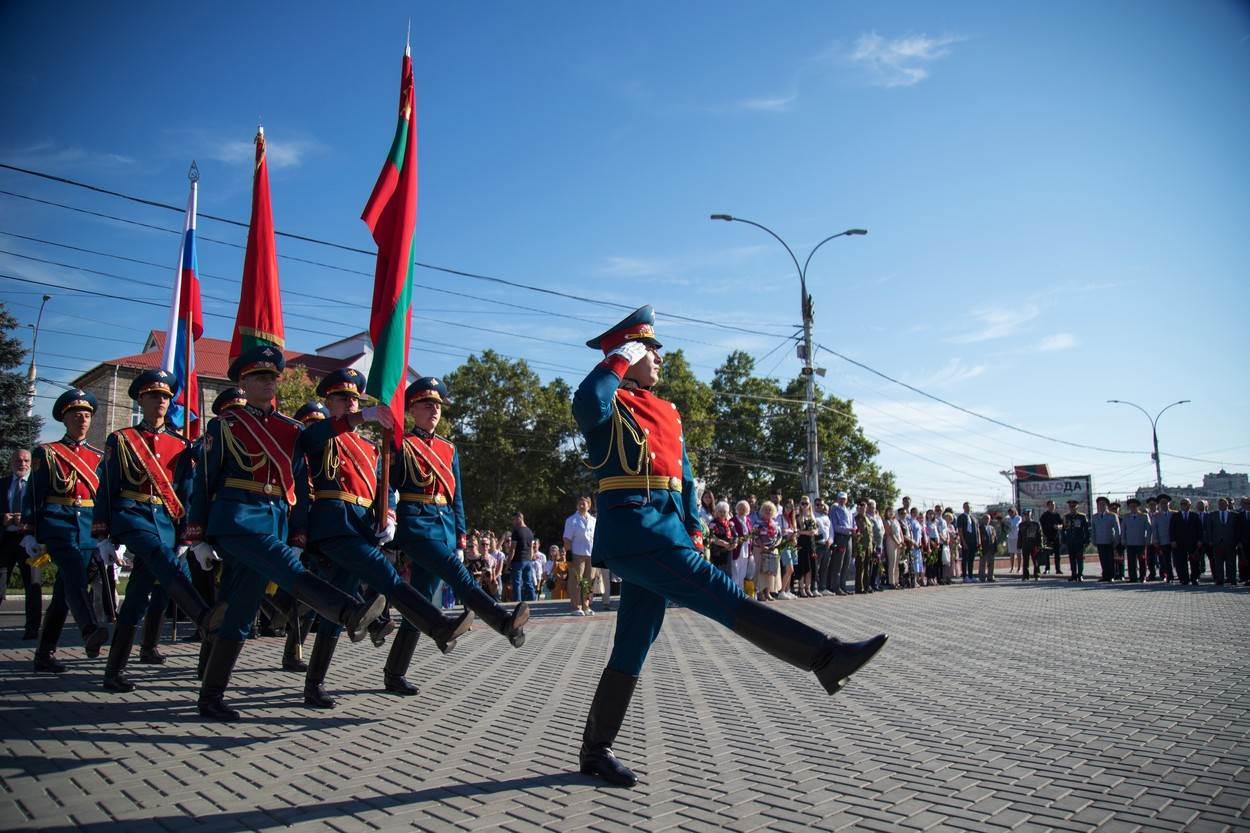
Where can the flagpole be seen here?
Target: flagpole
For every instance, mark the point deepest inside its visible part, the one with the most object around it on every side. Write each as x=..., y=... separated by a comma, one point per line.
x=194, y=176
x=384, y=490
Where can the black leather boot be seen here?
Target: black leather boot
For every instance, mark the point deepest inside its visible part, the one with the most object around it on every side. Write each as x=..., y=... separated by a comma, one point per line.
x=205, y=616
x=397, y=662
x=93, y=640
x=318, y=664
x=201, y=662
x=49, y=636
x=802, y=646
x=149, y=650
x=293, y=650
x=115, y=678
x=337, y=606
x=212, y=704
x=496, y=617
x=428, y=619
x=607, y=713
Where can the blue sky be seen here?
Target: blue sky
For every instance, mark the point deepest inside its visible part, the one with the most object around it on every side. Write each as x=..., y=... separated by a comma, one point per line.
x=1056, y=195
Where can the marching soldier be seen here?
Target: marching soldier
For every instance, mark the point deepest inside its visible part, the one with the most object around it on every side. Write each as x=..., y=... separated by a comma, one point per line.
x=431, y=528
x=648, y=534
x=56, y=512
x=253, y=507
x=145, y=487
x=343, y=525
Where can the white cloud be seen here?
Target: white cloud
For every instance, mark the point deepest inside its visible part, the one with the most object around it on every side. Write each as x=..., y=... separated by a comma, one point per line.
x=954, y=371
x=988, y=324
x=50, y=157
x=1058, y=341
x=777, y=104
x=282, y=154
x=898, y=62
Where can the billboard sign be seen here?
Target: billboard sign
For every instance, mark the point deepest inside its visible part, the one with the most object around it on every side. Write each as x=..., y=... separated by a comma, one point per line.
x=1033, y=493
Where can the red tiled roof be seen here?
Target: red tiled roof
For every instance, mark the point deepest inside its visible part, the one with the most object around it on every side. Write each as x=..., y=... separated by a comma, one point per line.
x=212, y=358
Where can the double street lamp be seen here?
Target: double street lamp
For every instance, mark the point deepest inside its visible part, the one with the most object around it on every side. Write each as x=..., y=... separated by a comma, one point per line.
x=811, y=474
x=1154, y=432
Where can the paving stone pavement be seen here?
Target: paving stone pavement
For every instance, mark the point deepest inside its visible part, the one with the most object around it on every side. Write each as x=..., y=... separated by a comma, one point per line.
x=1038, y=706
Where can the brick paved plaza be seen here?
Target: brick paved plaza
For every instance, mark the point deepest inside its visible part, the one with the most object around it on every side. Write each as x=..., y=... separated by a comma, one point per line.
x=1007, y=706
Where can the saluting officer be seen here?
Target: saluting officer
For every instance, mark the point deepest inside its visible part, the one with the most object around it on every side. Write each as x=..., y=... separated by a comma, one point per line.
x=56, y=512
x=145, y=487
x=343, y=524
x=252, y=506
x=649, y=534
x=431, y=528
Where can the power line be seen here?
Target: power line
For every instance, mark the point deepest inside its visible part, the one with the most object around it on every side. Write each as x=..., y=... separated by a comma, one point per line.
x=340, y=246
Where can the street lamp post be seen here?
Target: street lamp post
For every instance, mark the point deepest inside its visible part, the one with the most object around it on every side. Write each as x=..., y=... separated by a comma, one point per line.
x=811, y=472
x=1154, y=432
x=34, y=340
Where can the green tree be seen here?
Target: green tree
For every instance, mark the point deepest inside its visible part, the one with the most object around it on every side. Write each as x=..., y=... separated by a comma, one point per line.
x=17, y=428
x=694, y=400
x=742, y=461
x=846, y=454
x=516, y=441
x=295, y=388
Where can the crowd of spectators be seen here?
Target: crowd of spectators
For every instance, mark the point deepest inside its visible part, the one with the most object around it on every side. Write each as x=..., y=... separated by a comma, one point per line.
x=786, y=548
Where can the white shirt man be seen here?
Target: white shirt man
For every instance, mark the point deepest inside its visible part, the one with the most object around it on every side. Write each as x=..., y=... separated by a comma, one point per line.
x=579, y=542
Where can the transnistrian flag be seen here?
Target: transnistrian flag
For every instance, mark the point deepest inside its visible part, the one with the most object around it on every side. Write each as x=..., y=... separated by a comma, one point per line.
x=391, y=215
x=186, y=325
x=259, y=319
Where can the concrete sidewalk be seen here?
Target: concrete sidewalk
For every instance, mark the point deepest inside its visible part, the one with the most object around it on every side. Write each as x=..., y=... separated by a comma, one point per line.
x=1035, y=706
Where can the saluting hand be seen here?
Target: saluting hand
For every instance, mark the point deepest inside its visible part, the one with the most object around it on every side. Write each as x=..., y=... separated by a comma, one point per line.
x=633, y=351
x=382, y=416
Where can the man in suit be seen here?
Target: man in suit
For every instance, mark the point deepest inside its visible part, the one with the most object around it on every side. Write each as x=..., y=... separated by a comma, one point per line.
x=969, y=539
x=1186, y=535
x=1220, y=533
x=12, y=556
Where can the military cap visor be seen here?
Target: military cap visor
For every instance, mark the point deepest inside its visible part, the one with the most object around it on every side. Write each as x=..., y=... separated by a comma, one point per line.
x=311, y=412
x=152, y=381
x=72, y=400
x=227, y=399
x=637, y=326
x=262, y=359
x=424, y=389
x=346, y=382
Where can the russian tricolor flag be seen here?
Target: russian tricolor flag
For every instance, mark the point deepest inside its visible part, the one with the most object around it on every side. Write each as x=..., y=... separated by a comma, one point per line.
x=186, y=325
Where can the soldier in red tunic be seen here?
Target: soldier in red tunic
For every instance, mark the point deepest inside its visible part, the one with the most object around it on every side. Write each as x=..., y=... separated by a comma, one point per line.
x=648, y=533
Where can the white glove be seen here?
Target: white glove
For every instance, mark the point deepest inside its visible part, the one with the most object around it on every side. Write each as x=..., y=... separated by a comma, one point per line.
x=633, y=351
x=204, y=554
x=182, y=550
x=376, y=413
x=298, y=551
x=30, y=545
x=460, y=555
x=388, y=532
x=107, y=550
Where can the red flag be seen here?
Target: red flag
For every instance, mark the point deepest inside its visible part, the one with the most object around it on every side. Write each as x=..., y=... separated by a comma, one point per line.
x=259, y=319
x=391, y=215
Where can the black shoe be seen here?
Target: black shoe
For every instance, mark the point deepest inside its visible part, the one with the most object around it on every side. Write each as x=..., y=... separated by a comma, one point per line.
x=380, y=629
x=603, y=723
x=292, y=659
x=337, y=606
x=212, y=704
x=115, y=678
x=48, y=664
x=397, y=662
x=94, y=641
x=315, y=694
